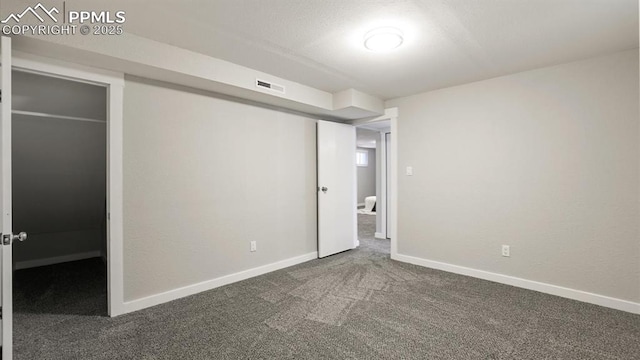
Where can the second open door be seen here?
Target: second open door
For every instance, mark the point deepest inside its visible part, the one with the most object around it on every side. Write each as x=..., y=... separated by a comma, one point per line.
x=337, y=203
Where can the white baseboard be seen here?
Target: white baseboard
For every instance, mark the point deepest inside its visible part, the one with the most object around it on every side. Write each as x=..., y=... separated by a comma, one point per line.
x=379, y=235
x=573, y=294
x=153, y=300
x=56, y=260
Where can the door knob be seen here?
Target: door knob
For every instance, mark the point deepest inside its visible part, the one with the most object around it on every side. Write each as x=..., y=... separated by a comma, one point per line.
x=8, y=239
x=22, y=236
x=324, y=189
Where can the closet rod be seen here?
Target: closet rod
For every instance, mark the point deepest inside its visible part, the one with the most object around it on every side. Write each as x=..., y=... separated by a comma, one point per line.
x=30, y=113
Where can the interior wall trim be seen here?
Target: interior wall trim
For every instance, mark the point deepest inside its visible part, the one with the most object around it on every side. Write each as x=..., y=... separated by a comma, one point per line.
x=579, y=295
x=157, y=299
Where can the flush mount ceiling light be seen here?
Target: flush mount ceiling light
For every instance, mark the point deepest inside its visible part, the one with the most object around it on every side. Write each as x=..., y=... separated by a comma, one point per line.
x=383, y=39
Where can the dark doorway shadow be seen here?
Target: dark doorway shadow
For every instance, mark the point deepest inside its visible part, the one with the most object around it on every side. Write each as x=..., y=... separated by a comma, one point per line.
x=72, y=288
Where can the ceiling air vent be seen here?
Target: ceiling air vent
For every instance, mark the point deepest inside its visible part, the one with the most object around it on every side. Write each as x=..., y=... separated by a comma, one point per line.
x=270, y=86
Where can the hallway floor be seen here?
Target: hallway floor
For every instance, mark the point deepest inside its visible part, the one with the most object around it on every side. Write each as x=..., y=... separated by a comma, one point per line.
x=366, y=235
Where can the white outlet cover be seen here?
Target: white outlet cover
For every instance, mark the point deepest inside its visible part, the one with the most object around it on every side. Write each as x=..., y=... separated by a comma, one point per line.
x=409, y=171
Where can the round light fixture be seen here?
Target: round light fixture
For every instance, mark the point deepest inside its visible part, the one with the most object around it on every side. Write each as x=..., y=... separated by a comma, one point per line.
x=383, y=39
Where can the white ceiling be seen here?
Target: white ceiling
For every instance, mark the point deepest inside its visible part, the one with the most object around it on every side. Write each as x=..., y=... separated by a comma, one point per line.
x=319, y=42
x=378, y=126
x=366, y=138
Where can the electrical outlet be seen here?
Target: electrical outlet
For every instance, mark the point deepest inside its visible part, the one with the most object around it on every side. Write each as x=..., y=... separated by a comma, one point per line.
x=409, y=171
x=506, y=251
x=253, y=246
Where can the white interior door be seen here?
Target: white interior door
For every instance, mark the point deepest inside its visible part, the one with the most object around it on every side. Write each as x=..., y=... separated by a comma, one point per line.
x=337, y=195
x=6, y=262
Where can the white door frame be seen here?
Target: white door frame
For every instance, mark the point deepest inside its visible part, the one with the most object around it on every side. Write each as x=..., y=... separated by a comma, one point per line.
x=382, y=203
x=387, y=192
x=114, y=83
x=390, y=114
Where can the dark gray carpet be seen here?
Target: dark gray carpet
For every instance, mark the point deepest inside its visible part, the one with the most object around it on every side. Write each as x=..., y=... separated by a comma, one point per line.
x=354, y=305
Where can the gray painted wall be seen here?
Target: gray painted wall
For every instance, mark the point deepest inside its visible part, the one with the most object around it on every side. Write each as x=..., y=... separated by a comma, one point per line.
x=546, y=161
x=50, y=95
x=204, y=176
x=59, y=186
x=367, y=176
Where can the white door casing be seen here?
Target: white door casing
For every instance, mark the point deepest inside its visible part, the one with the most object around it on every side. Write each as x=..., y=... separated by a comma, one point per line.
x=389, y=225
x=6, y=251
x=337, y=192
x=390, y=168
x=114, y=83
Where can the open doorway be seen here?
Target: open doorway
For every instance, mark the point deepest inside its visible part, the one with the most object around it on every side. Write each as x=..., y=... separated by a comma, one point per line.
x=59, y=169
x=372, y=159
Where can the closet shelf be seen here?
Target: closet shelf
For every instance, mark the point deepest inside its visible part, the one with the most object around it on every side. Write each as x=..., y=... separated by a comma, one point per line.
x=31, y=113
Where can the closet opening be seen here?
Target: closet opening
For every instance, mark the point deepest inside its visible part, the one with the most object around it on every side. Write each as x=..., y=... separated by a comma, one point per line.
x=59, y=176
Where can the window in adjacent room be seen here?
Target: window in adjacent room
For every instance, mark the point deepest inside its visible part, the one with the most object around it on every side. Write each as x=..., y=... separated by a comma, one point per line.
x=362, y=158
